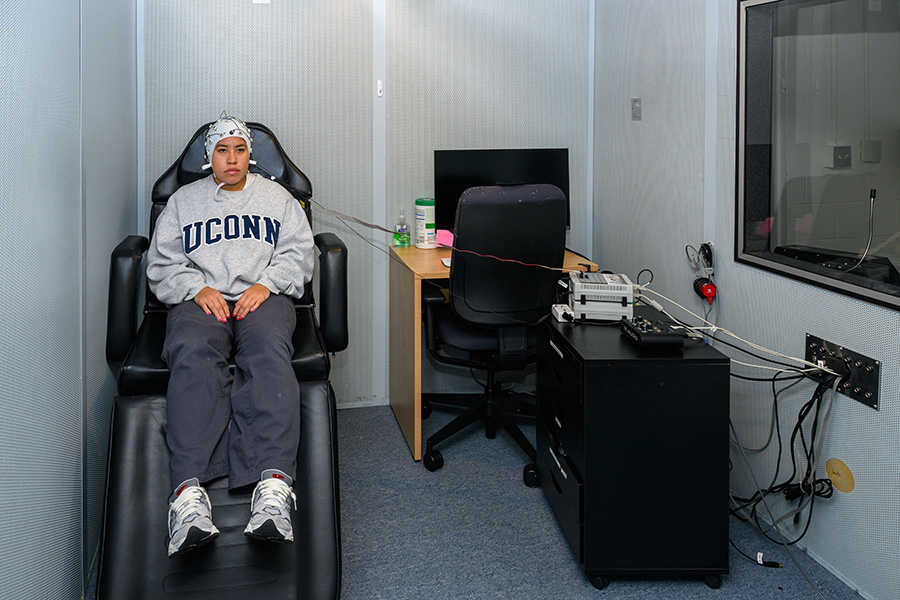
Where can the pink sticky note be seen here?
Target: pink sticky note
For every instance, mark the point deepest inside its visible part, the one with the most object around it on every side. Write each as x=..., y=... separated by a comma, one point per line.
x=444, y=238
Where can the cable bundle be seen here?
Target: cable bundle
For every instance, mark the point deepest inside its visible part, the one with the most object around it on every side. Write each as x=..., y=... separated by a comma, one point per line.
x=808, y=487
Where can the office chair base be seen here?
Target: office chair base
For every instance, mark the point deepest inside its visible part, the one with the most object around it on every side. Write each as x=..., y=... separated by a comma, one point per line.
x=494, y=411
x=433, y=460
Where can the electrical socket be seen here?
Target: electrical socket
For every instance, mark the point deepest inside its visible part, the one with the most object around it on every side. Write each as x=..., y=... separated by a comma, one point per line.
x=863, y=373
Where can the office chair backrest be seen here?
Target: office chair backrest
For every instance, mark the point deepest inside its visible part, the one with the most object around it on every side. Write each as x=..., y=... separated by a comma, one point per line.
x=270, y=160
x=525, y=223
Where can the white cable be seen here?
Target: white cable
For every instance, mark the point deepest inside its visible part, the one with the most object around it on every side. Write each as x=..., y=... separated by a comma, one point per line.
x=725, y=331
x=780, y=370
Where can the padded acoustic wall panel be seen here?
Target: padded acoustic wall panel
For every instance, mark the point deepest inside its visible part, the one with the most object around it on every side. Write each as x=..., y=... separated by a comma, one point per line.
x=470, y=74
x=304, y=70
x=648, y=173
x=649, y=198
x=40, y=283
x=109, y=114
x=856, y=534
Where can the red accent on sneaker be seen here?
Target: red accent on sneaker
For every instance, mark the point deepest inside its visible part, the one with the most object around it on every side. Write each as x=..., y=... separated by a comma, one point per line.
x=181, y=489
x=278, y=476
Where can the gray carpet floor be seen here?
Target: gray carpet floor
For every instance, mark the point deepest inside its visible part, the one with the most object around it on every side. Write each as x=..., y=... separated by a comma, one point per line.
x=472, y=530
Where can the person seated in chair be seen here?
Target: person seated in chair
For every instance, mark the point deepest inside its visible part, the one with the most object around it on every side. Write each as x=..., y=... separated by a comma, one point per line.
x=229, y=253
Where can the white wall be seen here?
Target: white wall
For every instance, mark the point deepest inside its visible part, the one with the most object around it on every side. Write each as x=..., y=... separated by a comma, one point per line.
x=109, y=191
x=456, y=74
x=67, y=197
x=40, y=282
x=304, y=70
x=649, y=202
x=474, y=74
x=857, y=534
x=840, y=89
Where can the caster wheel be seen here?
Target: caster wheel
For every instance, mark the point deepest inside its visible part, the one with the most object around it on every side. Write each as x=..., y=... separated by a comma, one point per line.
x=530, y=476
x=426, y=410
x=598, y=582
x=433, y=460
x=713, y=581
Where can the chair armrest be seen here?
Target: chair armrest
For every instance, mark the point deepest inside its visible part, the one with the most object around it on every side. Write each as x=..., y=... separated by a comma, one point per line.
x=124, y=276
x=332, y=291
x=432, y=296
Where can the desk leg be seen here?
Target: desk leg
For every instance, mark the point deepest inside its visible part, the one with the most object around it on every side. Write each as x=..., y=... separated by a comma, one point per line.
x=406, y=354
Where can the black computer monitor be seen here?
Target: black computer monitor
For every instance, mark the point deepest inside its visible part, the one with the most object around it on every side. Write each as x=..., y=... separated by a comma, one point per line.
x=455, y=171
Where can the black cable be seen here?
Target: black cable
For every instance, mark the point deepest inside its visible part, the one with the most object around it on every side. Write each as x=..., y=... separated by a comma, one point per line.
x=434, y=282
x=808, y=486
x=638, y=280
x=757, y=497
x=739, y=349
x=765, y=563
x=799, y=376
x=769, y=510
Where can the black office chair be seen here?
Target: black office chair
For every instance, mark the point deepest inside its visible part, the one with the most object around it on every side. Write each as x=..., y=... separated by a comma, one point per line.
x=495, y=305
x=133, y=561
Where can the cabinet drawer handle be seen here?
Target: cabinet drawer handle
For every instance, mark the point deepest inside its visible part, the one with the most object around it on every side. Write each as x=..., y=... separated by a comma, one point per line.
x=556, y=460
x=558, y=351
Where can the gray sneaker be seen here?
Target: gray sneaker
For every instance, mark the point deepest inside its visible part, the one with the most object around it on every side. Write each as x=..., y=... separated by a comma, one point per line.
x=190, y=518
x=270, y=509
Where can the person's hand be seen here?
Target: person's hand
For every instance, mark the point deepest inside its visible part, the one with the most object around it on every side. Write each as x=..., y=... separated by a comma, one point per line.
x=250, y=300
x=213, y=303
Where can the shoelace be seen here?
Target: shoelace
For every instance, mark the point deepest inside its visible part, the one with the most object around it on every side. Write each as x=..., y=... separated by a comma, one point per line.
x=188, y=502
x=274, y=492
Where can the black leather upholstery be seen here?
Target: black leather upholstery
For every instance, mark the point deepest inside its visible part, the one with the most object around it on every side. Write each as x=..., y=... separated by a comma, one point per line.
x=126, y=273
x=134, y=564
x=144, y=372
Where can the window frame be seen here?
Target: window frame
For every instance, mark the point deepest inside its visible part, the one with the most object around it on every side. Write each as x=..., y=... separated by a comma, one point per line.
x=768, y=260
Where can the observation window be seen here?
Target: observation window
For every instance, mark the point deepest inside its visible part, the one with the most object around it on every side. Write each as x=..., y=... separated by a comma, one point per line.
x=818, y=150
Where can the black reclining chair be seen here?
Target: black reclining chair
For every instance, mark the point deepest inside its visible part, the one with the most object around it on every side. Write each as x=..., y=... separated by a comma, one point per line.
x=495, y=305
x=133, y=563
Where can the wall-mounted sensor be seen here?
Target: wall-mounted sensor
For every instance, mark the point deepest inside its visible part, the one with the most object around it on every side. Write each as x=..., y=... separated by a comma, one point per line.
x=837, y=156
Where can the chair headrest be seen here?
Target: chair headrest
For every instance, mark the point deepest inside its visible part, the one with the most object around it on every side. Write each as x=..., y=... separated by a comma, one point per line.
x=270, y=158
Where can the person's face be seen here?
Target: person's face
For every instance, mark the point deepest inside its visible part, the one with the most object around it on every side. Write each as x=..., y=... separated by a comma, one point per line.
x=230, y=161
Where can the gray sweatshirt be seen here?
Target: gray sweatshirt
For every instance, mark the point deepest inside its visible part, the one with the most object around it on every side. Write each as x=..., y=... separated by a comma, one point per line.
x=230, y=241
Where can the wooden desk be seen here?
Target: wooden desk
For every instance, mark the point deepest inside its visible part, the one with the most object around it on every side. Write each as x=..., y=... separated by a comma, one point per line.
x=409, y=266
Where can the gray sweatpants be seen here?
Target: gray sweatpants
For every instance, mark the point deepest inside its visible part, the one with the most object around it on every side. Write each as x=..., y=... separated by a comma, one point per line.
x=239, y=425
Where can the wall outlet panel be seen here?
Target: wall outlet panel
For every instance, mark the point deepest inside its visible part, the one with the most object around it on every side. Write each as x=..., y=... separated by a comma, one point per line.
x=864, y=372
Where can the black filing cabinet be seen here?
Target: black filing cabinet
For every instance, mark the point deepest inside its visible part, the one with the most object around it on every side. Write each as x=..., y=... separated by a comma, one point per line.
x=632, y=452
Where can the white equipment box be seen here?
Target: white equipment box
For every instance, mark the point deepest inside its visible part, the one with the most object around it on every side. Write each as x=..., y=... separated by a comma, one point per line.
x=601, y=296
